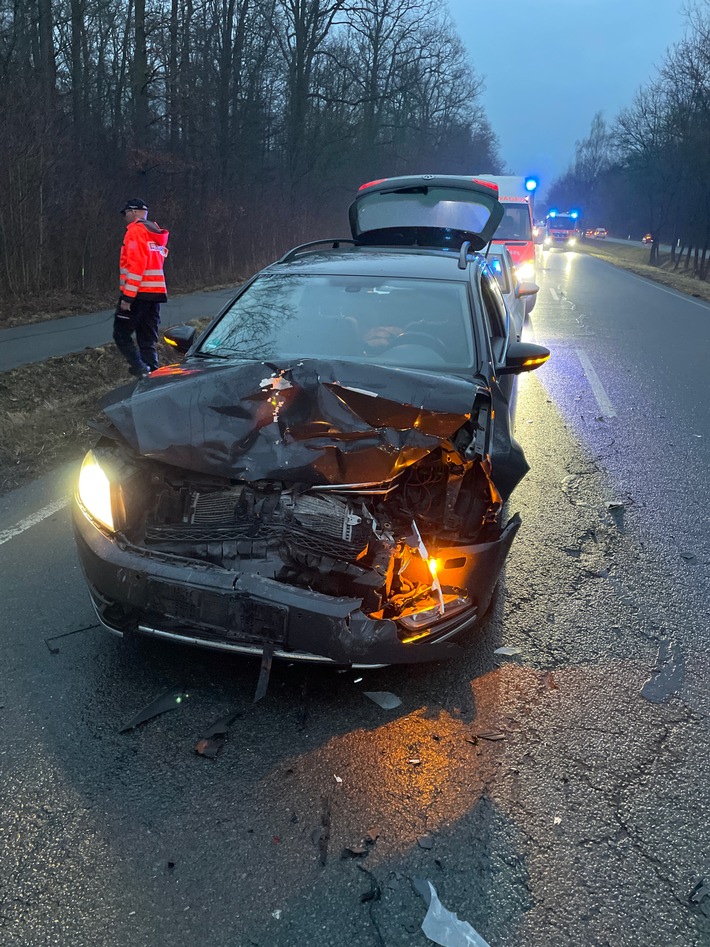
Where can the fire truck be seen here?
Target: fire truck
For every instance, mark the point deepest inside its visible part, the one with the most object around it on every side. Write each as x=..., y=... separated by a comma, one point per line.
x=561, y=230
x=515, y=230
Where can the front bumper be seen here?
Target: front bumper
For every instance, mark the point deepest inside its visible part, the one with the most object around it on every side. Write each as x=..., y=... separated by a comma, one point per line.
x=196, y=603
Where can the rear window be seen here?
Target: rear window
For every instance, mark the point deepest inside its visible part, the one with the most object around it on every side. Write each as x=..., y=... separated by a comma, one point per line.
x=417, y=323
x=440, y=207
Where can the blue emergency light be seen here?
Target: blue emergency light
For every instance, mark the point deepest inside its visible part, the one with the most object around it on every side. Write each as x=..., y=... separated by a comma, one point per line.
x=552, y=213
x=530, y=184
x=574, y=214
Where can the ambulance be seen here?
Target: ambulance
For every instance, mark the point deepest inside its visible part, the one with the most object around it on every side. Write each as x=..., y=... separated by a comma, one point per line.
x=515, y=230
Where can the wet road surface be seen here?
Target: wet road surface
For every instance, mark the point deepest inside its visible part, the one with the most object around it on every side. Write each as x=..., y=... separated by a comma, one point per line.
x=547, y=800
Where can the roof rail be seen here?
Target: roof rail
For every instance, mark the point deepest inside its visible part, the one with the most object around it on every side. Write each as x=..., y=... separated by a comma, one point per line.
x=334, y=241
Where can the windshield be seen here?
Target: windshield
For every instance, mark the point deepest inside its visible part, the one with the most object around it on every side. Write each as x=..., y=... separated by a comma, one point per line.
x=515, y=224
x=414, y=322
x=562, y=223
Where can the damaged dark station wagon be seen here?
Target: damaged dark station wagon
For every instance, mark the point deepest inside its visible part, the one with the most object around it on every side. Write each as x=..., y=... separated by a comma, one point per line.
x=322, y=478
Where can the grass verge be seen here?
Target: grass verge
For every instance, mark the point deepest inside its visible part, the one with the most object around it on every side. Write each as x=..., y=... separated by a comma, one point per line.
x=635, y=259
x=45, y=409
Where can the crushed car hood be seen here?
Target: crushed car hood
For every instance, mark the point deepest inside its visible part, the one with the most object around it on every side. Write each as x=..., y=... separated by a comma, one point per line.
x=314, y=421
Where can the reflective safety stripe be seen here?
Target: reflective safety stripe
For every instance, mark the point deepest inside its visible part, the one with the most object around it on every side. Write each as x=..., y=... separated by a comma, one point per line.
x=134, y=276
x=153, y=273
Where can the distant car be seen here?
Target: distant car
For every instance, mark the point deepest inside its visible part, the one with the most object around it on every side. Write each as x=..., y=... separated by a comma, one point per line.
x=323, y=477
x=648, y=238
x=589, y=233
x=600, y=233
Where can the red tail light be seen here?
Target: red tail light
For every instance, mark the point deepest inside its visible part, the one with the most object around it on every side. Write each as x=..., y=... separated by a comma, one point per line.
x=372, y=183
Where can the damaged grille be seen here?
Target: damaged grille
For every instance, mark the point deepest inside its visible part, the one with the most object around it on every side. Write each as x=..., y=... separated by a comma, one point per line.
x=253, y=521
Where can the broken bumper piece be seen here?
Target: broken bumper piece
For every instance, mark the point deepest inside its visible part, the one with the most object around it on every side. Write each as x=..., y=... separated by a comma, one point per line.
x=170, y=598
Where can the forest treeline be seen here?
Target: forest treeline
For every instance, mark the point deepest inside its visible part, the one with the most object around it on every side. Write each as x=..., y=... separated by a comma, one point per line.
x=246, y=125
x=648, y=170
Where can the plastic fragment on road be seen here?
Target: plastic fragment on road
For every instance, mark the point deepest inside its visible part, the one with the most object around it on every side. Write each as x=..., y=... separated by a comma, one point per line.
x=209, y=748
x=614, y=505
x=170, y=700
x=700, y=895
x=216, y=736
x=441, y=926
x=425, y=841
x=508, y=651
x=491, y=735
x=383, y=699
x=557, y=820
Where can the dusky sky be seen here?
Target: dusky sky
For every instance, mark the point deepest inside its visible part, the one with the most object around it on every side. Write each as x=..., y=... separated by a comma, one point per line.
x=551, y=65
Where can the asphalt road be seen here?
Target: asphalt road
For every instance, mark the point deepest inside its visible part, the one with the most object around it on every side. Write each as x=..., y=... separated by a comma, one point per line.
x=31, y=343
x=546, y=798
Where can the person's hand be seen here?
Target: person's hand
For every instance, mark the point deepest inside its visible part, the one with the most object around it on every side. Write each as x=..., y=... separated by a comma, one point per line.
x=124, y=306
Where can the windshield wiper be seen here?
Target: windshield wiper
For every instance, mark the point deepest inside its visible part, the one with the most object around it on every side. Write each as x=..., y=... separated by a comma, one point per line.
x=208, y=355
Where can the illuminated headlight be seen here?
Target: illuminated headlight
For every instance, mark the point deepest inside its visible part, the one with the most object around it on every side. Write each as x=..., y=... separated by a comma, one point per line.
x=420, y=621
x=548, y=240
x=94, y=491
x=572, y=241
x=526, y=271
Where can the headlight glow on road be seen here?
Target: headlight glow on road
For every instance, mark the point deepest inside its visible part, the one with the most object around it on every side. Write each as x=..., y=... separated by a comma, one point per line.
x=94, y=491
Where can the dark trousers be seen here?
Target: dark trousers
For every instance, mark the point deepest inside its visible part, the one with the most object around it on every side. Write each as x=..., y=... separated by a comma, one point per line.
x=143, y=320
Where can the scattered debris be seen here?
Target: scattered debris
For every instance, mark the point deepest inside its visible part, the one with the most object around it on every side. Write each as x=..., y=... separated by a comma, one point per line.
x=492, y=735
x=277, y=914
x=442, y=926
x=687, y=555
x=667, y=675
x=472, y=740
x=383, y=699
x=374, y=894
x=354, y=851
x=210, y=748
x=372, y=836
x=338, y=779
x=67, y=634
x=557, y=820
x=425, y=841
x=357, y=680
x=614, y=505
x=170, y=700
x=508, y=651
x=700, y=895
x=216, y=736
x=414, y=761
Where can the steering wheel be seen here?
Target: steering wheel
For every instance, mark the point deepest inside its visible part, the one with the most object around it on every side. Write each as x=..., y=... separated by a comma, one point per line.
x=421, y=338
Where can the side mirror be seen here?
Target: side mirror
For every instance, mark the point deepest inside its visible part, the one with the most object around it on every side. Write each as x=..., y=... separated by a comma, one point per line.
x=523, y=357
x=180, y=337
x=527, y=289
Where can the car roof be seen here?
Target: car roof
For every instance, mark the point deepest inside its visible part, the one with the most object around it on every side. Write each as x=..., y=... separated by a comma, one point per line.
x=409, y=262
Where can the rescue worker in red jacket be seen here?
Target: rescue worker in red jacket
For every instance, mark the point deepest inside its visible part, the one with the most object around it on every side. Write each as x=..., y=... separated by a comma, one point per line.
x=145, y=247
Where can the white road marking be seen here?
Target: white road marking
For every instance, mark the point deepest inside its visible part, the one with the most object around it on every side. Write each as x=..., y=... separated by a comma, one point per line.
x=554, y=295
x=602, y=397
x=33, y=519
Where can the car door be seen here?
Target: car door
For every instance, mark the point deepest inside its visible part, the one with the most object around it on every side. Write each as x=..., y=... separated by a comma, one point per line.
x=508, y=462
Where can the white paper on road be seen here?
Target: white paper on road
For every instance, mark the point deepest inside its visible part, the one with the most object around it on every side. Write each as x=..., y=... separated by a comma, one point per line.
x=33, y=519
x=444, y=928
